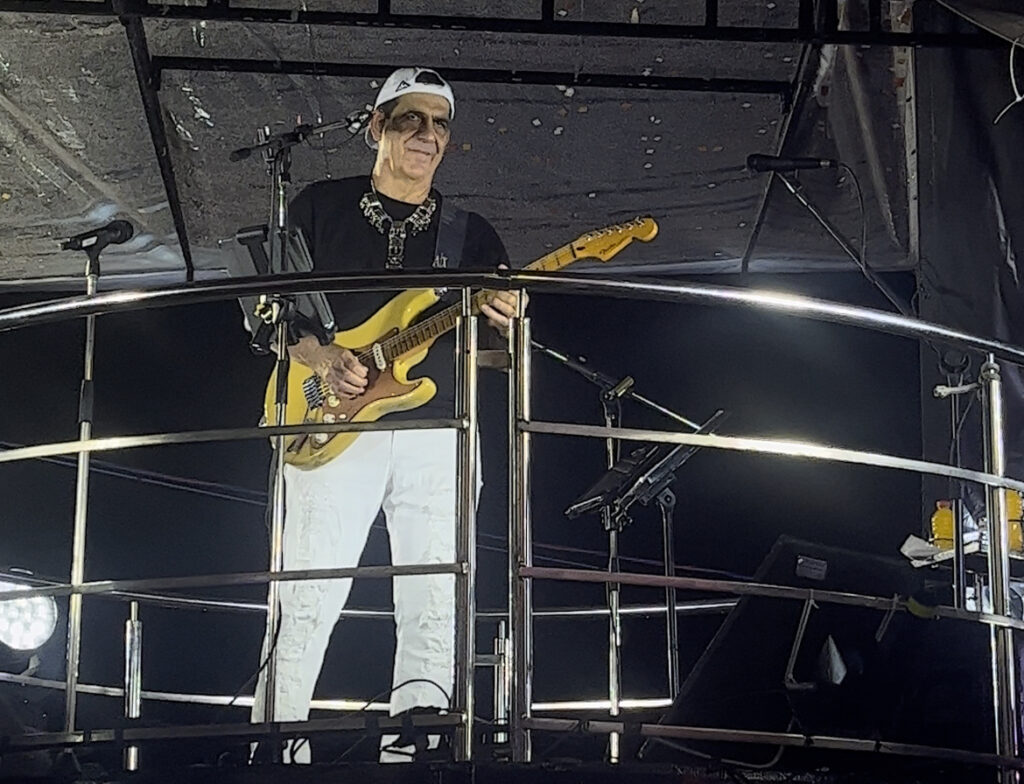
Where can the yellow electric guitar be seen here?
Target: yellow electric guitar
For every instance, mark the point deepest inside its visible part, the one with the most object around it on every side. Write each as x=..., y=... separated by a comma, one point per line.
x=389, y=343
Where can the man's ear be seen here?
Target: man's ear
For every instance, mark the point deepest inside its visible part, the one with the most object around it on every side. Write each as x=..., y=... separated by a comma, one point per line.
x=377, y=120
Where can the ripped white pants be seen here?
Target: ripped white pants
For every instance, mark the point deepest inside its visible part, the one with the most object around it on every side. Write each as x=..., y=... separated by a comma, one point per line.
x=328, y=515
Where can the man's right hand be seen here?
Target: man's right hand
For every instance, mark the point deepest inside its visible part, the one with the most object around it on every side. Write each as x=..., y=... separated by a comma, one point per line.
x=338, y=367
x=344, y=374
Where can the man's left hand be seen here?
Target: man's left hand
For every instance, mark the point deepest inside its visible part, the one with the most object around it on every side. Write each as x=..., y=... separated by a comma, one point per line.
x=502, y=306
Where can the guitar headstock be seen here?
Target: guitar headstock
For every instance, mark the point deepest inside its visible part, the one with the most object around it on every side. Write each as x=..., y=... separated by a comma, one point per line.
x=605, y=243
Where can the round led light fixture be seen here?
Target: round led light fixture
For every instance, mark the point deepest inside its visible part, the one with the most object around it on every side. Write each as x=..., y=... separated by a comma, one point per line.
x=26, y=623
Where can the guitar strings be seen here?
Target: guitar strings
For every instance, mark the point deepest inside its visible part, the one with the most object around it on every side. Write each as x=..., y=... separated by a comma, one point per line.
x=445, y=320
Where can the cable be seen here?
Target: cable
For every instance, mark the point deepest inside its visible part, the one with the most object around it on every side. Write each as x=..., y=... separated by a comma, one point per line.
x=357, y=123
x=296, y=743
x=863, y=215
x=643, y=561
x=259, y=498
x=1017, y=95
x=144, y=476
x=576, y=731
x=268, y=516
x=866, y=268
x=959, y=425
x=252, y=678
x=735, y=763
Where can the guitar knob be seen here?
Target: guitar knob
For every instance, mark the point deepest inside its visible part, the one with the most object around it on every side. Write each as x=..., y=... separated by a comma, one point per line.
x=329, y=419
x=320, y=438
x=333, y=401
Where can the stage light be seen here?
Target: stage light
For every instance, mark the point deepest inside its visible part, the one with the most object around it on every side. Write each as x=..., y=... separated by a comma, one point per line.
x=25, y=623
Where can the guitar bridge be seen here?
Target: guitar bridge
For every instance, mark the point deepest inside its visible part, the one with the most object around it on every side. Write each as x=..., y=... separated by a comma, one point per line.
x=313, y=391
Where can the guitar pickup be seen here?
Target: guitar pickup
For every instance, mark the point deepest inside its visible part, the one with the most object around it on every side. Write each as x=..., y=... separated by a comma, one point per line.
x=313, y=391
x=378, y=357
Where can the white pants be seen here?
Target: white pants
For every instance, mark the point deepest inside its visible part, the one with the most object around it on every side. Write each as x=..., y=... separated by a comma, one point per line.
x=328, y=515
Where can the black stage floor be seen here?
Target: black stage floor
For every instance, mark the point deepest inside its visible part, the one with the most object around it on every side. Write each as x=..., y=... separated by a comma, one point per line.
x=572, y=761
x=554, y=772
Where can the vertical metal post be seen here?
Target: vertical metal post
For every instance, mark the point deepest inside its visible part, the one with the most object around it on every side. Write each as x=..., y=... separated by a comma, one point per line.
x=614, y=644
x=611, y=419
x=520, y=545
x=667, y=503
x=132, y=678
x=1003, y=665
x=502, y=679
x=74, y=646
x=465, y=549
x=959, y=559
x=276, y=530
x=278, y=252
x=959, y=556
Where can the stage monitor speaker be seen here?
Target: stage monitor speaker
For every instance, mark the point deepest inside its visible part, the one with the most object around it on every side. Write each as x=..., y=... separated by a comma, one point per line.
x=859, y=672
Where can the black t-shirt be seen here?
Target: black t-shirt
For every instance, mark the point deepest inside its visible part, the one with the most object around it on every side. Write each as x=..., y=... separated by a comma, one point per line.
x=341, y=238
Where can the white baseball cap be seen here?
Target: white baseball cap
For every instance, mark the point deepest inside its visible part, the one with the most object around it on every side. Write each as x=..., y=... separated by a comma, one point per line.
x=412, y=80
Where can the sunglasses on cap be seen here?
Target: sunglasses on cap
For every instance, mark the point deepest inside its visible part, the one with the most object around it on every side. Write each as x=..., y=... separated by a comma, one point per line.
x=429, y=77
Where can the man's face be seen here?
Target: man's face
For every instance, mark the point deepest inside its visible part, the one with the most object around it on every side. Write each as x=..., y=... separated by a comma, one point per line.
x=413, y=140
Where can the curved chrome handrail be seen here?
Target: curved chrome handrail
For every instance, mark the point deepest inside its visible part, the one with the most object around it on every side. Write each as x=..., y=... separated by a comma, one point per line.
x=581, y=283
x=768, y=446
x=795, y=305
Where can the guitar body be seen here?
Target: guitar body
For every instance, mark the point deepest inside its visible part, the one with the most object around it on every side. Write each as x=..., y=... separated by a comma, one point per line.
x=390, y=345
x=387, y=391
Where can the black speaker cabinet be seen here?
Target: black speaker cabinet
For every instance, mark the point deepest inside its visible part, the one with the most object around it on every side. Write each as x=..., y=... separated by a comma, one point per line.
x=913, y=680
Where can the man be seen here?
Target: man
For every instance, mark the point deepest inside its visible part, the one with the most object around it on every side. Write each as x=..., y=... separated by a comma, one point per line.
x=392, y=220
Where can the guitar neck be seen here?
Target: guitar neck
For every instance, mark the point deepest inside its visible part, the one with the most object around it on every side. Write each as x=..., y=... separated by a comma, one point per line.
x=415, y=336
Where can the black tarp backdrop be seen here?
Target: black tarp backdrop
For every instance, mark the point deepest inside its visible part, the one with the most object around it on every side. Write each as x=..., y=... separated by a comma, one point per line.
x=972, y=223
x=189, y=368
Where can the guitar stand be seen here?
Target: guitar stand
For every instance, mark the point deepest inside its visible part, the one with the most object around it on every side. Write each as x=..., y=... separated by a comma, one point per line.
x=653, y=483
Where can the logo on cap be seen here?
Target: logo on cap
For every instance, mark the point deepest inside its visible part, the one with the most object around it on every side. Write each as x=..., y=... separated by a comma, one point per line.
x=403, y=85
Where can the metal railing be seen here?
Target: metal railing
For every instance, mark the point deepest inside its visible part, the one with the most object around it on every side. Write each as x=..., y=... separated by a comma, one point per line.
x=519, y=647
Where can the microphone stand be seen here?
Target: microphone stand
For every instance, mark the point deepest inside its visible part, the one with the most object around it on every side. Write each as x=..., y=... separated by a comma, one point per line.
x=608, y=384
x=612, y=392
x=85, y=419
x=611, y=406
x=276, y=312
x=273, y=144
x=959, y=569
x=797, y=190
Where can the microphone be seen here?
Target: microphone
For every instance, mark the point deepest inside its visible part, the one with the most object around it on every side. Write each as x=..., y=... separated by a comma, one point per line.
x=772, y=163
x=114, y=232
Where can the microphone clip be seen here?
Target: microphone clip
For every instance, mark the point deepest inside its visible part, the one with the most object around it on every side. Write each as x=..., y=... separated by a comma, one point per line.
x=943, y=390
x=620, y=390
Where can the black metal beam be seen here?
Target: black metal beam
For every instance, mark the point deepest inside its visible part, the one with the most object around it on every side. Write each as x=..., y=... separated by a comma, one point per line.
x=148, y=78
x=489, y=76
x=830, y=16
x=547, y=12
x=806, y=15
x=540, y=26
x=711, y=13
x=874, y=14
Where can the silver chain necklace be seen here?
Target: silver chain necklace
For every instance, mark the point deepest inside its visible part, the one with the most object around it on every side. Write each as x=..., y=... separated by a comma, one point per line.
x=396, y=231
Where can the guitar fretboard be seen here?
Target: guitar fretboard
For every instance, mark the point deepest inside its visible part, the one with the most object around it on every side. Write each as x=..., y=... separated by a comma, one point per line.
x=415, y=336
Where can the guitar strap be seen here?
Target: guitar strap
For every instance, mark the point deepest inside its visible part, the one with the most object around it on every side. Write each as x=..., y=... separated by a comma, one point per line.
x=451, y=236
